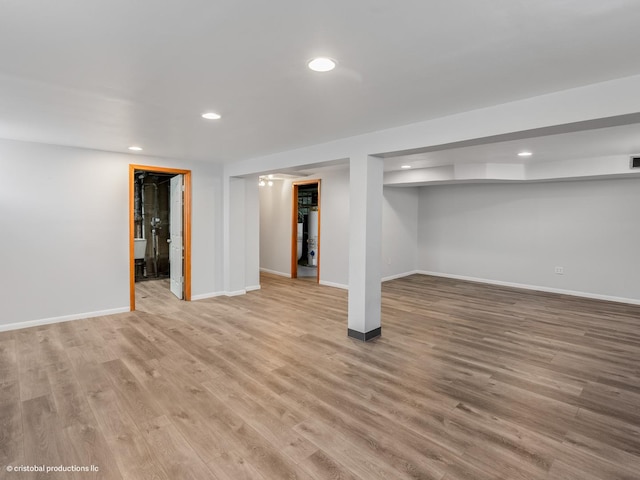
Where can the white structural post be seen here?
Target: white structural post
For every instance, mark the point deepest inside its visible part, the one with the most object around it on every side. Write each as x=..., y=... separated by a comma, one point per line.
x=234, y=240
x=365, y=246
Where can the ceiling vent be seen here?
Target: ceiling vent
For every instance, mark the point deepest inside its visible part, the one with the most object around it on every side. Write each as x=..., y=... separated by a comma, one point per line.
x=635, y=162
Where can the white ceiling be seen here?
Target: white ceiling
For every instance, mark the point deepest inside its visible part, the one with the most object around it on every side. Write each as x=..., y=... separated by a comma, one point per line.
x=584, y=144
x=107, y=74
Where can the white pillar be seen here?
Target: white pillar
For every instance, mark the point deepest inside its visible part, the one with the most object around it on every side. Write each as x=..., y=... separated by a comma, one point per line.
x=234, y=238
x=252, y=234
x=365, y=246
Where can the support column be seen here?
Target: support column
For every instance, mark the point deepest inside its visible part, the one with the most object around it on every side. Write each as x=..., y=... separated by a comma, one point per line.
x=365, y=246
x=234, y=239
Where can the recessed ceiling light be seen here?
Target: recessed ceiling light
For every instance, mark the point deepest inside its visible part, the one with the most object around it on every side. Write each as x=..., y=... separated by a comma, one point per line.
x=211, y=116
x=405, y=167
x=322, y=64
x=135, y=149
x=525, y=154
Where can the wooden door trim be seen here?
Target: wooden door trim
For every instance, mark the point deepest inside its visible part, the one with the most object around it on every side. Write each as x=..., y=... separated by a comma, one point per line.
x=294, y=226
x=186, y=174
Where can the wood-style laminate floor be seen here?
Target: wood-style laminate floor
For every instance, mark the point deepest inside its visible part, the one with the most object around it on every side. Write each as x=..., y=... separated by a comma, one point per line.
x=468, y=381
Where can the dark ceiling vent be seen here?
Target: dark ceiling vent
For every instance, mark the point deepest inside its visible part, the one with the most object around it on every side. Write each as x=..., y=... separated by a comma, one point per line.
x=635, y=162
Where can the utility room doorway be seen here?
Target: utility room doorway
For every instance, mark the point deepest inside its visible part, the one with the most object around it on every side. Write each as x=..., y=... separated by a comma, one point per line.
x=305, y=225
x=160, y=227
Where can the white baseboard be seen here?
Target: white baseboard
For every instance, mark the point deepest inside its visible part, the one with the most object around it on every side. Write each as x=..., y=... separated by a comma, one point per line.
x=252, y=288
x=206, y=295
x=385, y=279
x=65, y=318
x=399, y=275
x=235, y=293
x=333, y=284
x=538, y=288
x=273, y=272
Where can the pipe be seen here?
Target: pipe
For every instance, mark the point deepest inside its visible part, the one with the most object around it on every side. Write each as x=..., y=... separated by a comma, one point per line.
x=141, y=178
x=155, y=226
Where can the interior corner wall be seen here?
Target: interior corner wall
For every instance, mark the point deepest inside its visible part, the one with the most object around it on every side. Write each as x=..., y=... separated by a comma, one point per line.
x=519, y=233
x=65, y=214
x=252, y=234
x=399, y=231
x=399, y=220
x=275, y=226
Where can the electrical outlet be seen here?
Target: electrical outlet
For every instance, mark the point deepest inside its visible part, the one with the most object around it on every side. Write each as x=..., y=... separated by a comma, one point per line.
x=559, y=270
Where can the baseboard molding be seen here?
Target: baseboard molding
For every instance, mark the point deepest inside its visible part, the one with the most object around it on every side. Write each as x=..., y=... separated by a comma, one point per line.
x=538, y=288
x=385, y=279
x=65, y=318
x=399, y=275
x=273, y=272
x=206, y=295
x=252, y=288
x=235, y=293
x=333, y=284
x=365, y=337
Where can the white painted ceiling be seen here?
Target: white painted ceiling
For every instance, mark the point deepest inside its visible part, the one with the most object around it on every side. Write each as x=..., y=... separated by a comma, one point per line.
x=584, y=144
x=107, y=74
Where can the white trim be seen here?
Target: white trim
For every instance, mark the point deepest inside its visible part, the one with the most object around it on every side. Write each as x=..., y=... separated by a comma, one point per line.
x=273, y=272
x=399, y=275
x=252, y=288
x=206, y=295
x=235, y=293
x=335, y=285
x=538, y=288
x=65, y=318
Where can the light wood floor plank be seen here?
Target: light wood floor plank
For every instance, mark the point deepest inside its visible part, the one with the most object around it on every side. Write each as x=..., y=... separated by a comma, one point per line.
x=468, y=381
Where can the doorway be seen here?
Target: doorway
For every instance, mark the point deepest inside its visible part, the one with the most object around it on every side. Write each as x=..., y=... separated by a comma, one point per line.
x=160, y=229
x=305, y=229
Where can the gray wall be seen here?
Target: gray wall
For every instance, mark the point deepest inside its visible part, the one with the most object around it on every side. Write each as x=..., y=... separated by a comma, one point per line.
x=275, y=226
x=399, y=219
x=399, y=230
x=519, y=233
x=65, y=241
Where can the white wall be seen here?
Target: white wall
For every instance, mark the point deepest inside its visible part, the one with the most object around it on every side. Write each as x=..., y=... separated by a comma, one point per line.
x=65, y=241
x=275, y=226
x=399, y=235
x=518, y=233
x=399, y=231
x=252, y=234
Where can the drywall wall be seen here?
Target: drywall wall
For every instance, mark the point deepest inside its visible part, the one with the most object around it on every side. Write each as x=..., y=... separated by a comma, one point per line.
x=399, y=231
x=399, y=235
x=519, y=233
x=252, y=235
x=275, y=226
x=65, y=247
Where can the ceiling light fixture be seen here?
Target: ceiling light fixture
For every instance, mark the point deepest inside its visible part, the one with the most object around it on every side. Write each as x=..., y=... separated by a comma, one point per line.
x=322, y=64
x=405, y=167
x=525, y=154
x=135, y=149
x=266, y=181
x=211, y=116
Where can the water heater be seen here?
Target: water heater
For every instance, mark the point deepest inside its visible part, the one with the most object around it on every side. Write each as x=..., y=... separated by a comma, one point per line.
x=313, y=238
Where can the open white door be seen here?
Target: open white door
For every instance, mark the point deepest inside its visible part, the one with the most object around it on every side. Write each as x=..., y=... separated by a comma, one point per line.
x=175, y=236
